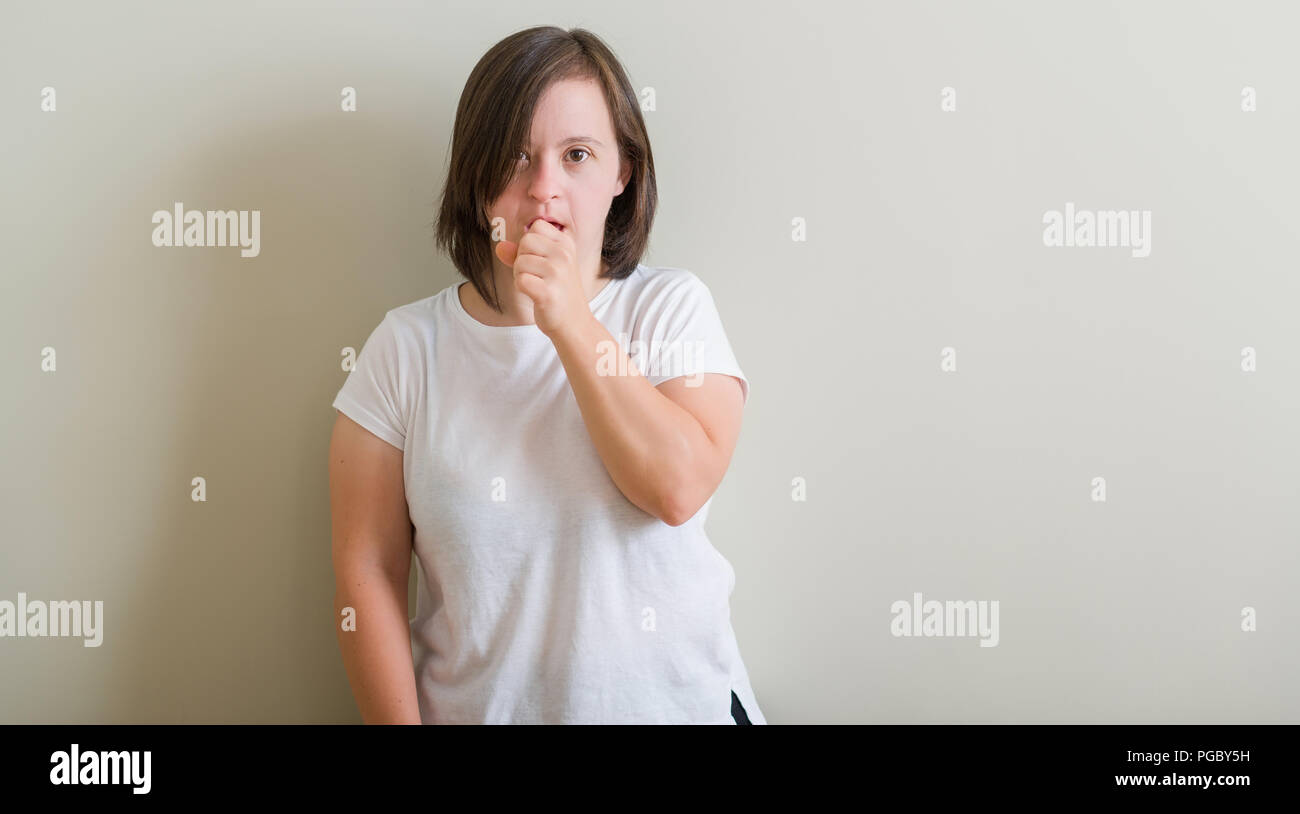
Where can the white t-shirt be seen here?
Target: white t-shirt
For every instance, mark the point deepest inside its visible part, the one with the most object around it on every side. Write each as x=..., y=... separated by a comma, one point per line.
x=545, y=595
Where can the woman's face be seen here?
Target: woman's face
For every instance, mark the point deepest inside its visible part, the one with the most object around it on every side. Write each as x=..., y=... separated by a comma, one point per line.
x=571, y=171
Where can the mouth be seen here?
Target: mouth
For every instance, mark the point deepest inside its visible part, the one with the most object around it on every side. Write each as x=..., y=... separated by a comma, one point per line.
x=554, y=223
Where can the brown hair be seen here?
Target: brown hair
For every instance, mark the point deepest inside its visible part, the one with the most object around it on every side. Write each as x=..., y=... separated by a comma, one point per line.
x=493, y=120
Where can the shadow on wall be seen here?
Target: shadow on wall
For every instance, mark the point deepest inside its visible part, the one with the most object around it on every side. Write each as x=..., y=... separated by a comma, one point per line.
x=229, y=616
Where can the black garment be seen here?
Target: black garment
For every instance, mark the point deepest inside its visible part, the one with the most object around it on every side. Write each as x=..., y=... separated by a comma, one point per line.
x=737, y=711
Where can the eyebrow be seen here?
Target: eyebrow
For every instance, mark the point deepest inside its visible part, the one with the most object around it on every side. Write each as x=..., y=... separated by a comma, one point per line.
x=575, y=139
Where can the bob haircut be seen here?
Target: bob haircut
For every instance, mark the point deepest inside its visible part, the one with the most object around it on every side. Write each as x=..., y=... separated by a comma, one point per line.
x=493, y=120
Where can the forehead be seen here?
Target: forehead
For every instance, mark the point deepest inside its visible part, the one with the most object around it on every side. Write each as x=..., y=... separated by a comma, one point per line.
x=571, y=107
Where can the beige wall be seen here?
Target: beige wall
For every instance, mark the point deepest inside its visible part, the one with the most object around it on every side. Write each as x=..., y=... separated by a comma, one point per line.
x=924, y=232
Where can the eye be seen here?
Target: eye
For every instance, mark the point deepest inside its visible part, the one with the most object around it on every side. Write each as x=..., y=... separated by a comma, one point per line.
x=522, y=155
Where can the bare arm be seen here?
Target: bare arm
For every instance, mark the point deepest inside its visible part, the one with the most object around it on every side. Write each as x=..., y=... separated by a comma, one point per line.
x=372, y=539
x=666, y=448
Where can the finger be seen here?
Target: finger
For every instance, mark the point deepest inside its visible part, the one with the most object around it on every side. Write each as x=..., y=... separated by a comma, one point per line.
x=543, y=227
x=532, y=264
x=538, y=244
x=544, y=239
x=530, y=284
x=548, y=230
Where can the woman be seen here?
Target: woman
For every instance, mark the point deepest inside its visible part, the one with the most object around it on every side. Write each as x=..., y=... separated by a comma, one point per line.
x=554, y=488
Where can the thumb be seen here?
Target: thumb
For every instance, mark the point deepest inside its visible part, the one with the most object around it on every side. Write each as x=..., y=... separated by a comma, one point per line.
x=507, y=251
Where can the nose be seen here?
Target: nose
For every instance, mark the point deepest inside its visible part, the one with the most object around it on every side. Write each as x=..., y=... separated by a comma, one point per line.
x=544, y=180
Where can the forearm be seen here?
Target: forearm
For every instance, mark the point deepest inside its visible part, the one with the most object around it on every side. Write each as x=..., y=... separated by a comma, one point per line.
x=377, y=654
x=650, y=445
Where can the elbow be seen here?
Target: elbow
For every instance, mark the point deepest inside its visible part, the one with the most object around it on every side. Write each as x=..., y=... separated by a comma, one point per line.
x=678, y=507
x=685, y=491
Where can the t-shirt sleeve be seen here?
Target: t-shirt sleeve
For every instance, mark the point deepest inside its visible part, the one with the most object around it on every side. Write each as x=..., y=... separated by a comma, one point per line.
x=372, y=395
x=685, y=337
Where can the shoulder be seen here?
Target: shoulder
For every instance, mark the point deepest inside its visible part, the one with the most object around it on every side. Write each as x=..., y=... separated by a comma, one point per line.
x=662, y=278
x=402, y=340
x=411, y=323
x=417, y=313
x=667, y=286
